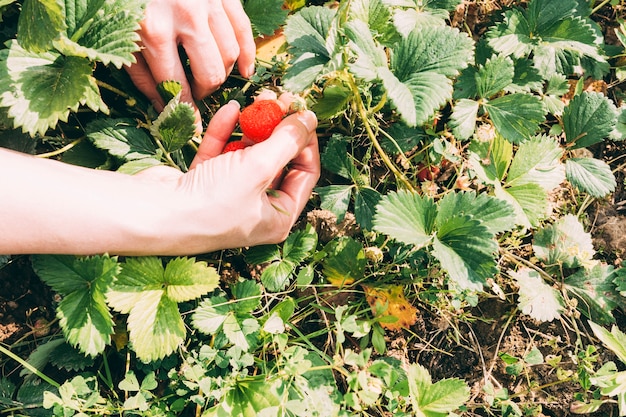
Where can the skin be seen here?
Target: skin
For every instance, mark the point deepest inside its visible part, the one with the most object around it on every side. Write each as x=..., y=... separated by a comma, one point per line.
x=221, y=202
x=215, y=34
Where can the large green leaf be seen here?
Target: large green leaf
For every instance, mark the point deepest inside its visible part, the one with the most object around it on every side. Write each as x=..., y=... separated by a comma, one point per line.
x=121, y=138
x=82, y=282
x=590, y=175
x=614, y=340
x=564, y=243
x=537, y=161
x=495, y=214
x=530, y=202
x=104, y=31
x=463, y=118
x=345, y=261
x=311, y=40
x=266, y=16
x=434, y=400
x=466, y=250
x=558, y=38
x=516, y=116
x=494, y=76
x=406, y=217
x=175, y=125
x=149, y=293
x=588, y=119
x=595, y=292
x=43, y=88
x=40, y=22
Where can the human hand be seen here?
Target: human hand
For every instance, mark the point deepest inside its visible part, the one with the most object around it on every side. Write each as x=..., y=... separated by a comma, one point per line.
x=214, y=33
x=224, y=197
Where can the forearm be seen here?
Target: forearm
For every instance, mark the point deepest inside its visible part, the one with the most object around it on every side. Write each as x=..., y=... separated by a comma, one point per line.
x=52, y=207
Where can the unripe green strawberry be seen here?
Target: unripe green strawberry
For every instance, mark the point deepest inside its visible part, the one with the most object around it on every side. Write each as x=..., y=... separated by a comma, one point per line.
x=258, y=120
x=234, y=146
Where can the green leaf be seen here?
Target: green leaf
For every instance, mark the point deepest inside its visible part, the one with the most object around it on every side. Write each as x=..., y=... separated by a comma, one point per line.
x=248, y=397
x=558, y=39
x=311, y=42
x=595, y=292
x=406, y=217
x=365, y=201
x=175, y=125
x=438, y=399
x=614, y=340
x=300, y=244
x=463, y=118
x=333, y=102
x=590, y=175
x=104, y=31
x=528, y=200
x=43, y=88
x=211, y=314
x=565, y=243
x=345, y=261
x=335, y=198
x=83, y=282
x=494, y=76
x=516, y=116
x=466, y=250
x=424, y=61
x=536, y=298
x=276, y=276
x=149, y=293
x=494, y=214
x=265, y=16
x=121, y=138
x=537, y=161
x=336, y=159
x=588, y=119
x=49, y=18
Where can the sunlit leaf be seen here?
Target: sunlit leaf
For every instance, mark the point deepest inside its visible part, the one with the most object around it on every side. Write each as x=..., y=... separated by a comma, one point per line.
x=595, y=292
x=536, y=298
x=537, y=161
x=83, y=313
x=50, y=24
x=495, y=214
x=590, y=175
x=588, y=119
x=406, y=217
x=121, y=138
x=434, y=400
x=43, y=88
x=516, y=116
x=175, y=125
x=565, y=242
x=345, y=261
x=149, y=293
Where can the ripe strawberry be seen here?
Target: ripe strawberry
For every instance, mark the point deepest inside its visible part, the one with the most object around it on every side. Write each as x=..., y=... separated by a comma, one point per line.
x=429, y=172
x=234, y=146
x=258, y=120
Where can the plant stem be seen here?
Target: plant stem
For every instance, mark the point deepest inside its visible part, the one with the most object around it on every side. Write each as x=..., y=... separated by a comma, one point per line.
x=29, y=367
x=112, y=89
x=599, y=6
x=402, y=179
x=61, y=150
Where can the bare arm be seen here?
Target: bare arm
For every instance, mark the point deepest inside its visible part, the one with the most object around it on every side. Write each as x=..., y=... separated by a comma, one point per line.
x=52, y=207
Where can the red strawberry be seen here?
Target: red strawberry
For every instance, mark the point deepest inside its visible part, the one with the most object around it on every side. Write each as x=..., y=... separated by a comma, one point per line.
x=234, y=146
x=429, y=172
x=258, y=120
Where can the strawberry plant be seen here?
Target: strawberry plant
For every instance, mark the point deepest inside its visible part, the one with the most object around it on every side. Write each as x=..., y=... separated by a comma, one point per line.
x=449, y=261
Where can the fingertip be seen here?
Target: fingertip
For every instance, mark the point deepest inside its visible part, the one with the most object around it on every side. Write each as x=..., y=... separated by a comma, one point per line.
x=308, y=119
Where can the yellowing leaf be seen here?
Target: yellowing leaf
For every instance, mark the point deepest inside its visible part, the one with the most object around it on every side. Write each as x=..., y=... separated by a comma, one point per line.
x=390, y=301
x=268, y=47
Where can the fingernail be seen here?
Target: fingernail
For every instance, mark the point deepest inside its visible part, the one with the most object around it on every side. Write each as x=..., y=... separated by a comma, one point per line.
x=251, y=70
x=308, y=119
x=235, y=102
